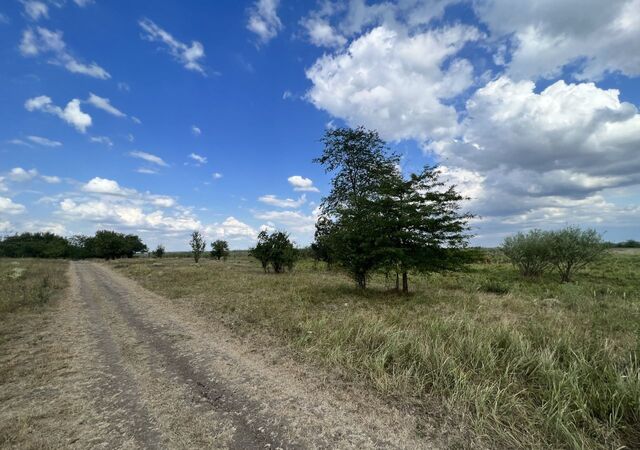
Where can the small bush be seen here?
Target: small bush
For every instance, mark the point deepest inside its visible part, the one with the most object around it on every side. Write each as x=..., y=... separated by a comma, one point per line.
x=494, y=286
x=159, y=251
x=528, y=252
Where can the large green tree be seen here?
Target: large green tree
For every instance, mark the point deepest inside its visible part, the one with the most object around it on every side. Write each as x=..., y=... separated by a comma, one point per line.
x=424, y=229
x=350, y=225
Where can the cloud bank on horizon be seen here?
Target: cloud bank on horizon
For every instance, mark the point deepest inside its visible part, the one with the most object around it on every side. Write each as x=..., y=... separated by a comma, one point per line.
x=530, y=107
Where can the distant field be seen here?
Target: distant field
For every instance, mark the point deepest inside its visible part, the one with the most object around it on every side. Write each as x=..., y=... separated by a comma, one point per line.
x=512, y=362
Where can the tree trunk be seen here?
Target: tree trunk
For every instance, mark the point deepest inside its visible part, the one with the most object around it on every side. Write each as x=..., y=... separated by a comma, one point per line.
x=397, y=282
x=405, y=283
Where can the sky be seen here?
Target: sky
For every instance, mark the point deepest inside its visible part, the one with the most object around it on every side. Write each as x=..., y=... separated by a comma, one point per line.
x=164, y=117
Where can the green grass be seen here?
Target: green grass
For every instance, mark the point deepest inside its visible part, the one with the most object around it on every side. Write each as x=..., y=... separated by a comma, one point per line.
x=28, y=283
x=520, y=363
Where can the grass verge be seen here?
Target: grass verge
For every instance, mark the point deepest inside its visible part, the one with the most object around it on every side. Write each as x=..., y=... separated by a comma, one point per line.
x=522, y=363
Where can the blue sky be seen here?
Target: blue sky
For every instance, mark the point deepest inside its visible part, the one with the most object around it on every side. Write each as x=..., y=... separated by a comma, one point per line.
x=163, y=117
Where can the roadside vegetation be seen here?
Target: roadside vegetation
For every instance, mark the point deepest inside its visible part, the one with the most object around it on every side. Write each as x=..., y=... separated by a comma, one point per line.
x=514, y=361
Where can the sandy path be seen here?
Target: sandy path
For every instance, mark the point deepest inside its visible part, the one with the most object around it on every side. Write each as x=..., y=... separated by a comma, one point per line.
x=151, y=374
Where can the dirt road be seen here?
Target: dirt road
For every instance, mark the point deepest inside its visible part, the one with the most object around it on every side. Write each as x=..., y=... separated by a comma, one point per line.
x=143, y=373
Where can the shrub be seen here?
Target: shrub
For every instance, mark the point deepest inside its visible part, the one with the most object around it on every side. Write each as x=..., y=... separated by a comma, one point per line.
x=220, y=249
x=275, y=250
x=528, y=252
x=571, y=249
x=197, y=244
x=159, y=251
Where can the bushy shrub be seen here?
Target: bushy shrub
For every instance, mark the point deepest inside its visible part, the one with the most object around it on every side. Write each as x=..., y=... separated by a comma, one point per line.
x=529, y=252
x=159, y=251
x=571, y=249
x=275, y=250
x=566, y=250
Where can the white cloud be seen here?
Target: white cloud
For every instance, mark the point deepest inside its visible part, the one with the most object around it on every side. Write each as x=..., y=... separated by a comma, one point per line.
x=72, y=114
x=164, y=201
x=195, y=130
x=231, y=229
x=216, y=175
x=149, y=158
x=44, y=141
x=8, y=206
x=105, y=186
x=188, y=55
x=263, y=20
x=136, y=120
x=282, y=202
x=199, y=159
x=101, y=140
x=322, y=34
x=300, y=183
x=146, y=171
x=526, y=151
x=124, y=87
x=82, y=3
x=5, y=225
x=598, y=36
x=291, y=220
x=51, y=179
x=35, y=10
x=105, y=105
x=20, y=175
x=396, y=83
x=41, y=40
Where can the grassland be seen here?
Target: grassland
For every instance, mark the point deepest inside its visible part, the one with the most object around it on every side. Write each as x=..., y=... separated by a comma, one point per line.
x=511, y=362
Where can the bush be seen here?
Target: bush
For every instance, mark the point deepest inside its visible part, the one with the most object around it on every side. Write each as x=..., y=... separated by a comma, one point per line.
x=571, y=249
x=528, y=252
x=275, y=250
x=111, y=245
x=159, y=251
x=35, y=245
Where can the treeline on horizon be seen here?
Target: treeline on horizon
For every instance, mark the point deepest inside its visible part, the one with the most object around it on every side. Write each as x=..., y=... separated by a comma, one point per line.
x=104, y=244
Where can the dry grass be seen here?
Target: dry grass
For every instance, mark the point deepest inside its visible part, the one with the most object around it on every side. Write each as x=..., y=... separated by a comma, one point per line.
x=30, y=361
x=520, y=363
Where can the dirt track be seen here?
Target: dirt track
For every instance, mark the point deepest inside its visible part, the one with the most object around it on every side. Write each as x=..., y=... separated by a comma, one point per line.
x=146, y=374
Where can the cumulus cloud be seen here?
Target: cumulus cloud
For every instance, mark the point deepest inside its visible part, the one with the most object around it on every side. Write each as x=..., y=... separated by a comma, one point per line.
x=189, y=56
x=153, y=159
x=195, y=130
x=44, y=141
x=282, y=202
x=216, y=175
x=19, y=174
x=321, y=33
x=231, y=229
x=105, y=105
x=525, y=152
x=295, y=221
x=8, y=206
x=51, y=179
x=72, y=114
x=105, y=186
x=39, y=40
x=263, y=20
x=598, y=36
x=300, y=183
x=396, y=83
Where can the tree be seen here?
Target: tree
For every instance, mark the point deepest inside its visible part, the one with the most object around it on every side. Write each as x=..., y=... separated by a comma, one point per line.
x=198, y=245
x=35, y=245
x=111, y=245
x=159, y=251
x=220, y=249
x=528, y=252
x=572, y=249
x=423, y=228
x=350, y=227
x=275, y=250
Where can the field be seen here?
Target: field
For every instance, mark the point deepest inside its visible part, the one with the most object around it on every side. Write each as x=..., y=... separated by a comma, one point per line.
x=495, y=358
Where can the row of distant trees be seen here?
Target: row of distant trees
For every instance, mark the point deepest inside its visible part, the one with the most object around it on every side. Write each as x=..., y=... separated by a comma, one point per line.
x=104, y=244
